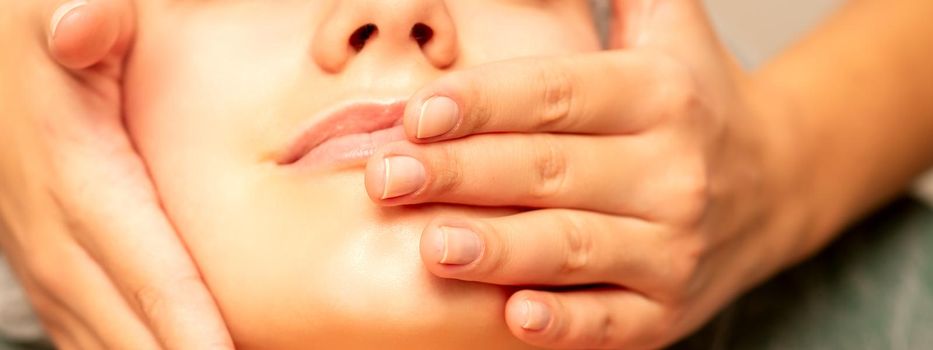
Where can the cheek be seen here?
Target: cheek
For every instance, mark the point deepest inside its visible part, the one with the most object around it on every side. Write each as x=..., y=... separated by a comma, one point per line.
x=521, y=32
x=194, y=84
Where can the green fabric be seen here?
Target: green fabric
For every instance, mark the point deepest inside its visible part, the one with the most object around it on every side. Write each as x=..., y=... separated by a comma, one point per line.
x=4, y=345
x=871, y=289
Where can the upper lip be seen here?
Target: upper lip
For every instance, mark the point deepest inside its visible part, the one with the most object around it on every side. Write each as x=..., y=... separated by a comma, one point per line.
x=353, y=118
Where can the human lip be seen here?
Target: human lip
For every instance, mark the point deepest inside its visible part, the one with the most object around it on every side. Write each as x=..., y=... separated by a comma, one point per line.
x=346, y=136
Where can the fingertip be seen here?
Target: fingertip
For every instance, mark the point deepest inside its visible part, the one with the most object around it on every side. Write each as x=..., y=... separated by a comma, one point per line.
x=450, y=246
x=435, y=117
x=531, y=315
x=375, y=177
x=439, y=116
x=432, y=249
x=411, y=117
x=435, y=112
x=396, y=175
x=82, y=34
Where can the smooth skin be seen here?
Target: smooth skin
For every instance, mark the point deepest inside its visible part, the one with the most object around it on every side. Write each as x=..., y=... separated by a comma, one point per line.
x=81, y=222
x=662, y=179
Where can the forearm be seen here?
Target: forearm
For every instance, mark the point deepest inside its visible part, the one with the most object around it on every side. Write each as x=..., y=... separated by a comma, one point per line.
x=861, y=121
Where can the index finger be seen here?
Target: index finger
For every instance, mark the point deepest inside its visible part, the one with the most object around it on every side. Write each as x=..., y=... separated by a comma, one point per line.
x=611, y=92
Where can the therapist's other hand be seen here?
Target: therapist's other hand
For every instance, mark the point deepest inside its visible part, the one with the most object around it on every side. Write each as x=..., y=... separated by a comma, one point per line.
x=81, y=221
x=643, y=167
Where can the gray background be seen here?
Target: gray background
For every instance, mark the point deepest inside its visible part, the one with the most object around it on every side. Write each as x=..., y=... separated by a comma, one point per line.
x=756, y=30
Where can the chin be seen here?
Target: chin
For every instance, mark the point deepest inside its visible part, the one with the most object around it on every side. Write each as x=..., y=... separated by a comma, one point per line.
x=299, y=262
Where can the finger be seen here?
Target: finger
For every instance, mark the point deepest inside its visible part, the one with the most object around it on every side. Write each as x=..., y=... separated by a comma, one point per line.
x=60, y=339
x=82, y=336
x=611, y=92
x=587, y=319
x=102, y=309
x=609, y=175
x=59, y=323
x=72, y=292
x=126, y=231
x=160, y=281
x=63, y=339
x=84, y=33
x=552, y=247
x=65, y=330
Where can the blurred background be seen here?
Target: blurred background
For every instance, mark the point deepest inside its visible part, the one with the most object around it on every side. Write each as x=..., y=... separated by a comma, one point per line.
x=873, y=287
x=759, y=29
x=756, y=30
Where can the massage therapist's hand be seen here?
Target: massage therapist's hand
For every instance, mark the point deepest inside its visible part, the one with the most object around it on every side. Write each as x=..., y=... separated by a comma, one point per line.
x=81, y=221
x=642, y=169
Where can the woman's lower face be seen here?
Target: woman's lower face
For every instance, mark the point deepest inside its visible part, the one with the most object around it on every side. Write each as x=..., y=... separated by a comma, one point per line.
x=296, y=254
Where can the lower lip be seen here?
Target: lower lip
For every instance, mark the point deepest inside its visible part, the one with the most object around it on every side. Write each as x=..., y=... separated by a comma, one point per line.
x=349, y=150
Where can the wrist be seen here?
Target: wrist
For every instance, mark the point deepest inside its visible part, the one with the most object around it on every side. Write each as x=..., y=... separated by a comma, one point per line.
x=788, y=225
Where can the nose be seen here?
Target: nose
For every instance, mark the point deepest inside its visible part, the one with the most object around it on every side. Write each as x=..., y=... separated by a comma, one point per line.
x=401, y=29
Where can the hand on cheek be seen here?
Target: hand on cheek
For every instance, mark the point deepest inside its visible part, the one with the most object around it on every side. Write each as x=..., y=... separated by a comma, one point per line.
x=633, y=164
x=100, y=261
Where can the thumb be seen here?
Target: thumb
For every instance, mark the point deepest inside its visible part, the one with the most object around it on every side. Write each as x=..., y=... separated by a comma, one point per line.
x=85, y=33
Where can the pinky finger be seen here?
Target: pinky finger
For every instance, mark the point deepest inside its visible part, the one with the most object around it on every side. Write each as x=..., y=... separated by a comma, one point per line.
x=66, y=331
x=591, y=319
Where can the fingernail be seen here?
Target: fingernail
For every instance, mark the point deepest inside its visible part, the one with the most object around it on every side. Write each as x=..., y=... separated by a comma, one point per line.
x=536, y=315
x=63, y=10
x=403, y=175
x=439, y=115
x=457, y=246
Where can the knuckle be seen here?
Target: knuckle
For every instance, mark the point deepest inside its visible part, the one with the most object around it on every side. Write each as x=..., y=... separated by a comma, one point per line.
x=149, y=300
x=479, y=112
x=692, y=190
x=607, y=333
x=550, y=167
x=679, y=94
x=683, y=268
x=696, y=200
x=155, y=300
x=557, y=95
x=446, y=170
x=600, y=330
x=578, y=244
x=684, y=274
x=690, y=264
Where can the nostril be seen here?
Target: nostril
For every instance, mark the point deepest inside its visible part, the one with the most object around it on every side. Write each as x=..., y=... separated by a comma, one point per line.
x=422, y=33
x=362, y=35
